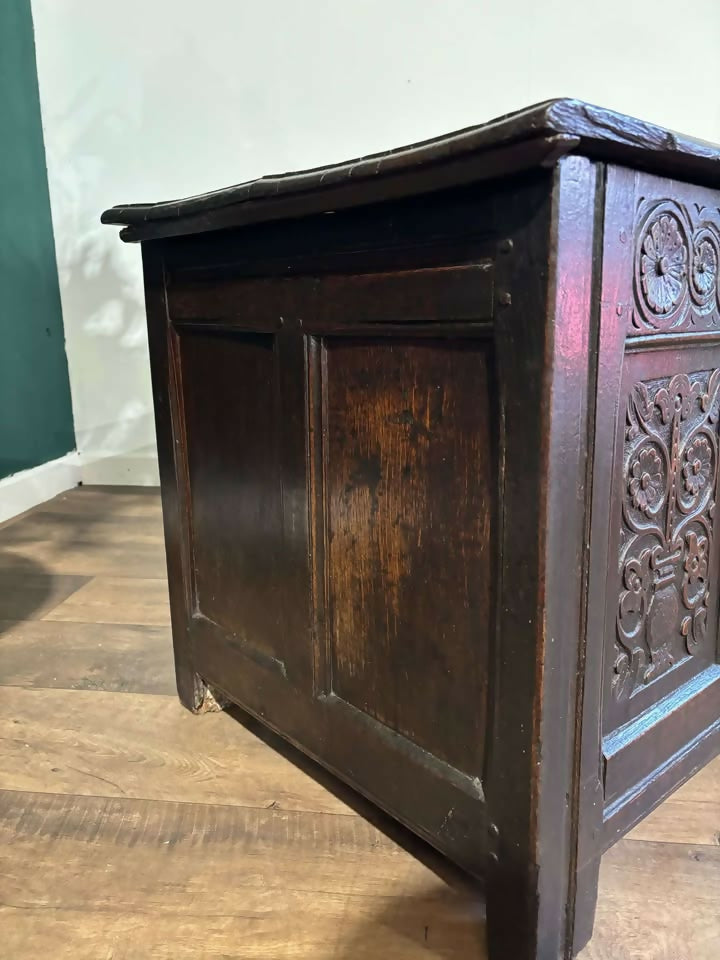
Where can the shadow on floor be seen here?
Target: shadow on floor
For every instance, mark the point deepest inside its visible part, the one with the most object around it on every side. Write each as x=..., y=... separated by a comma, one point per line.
x=438, y=926
x=447, y=923
x=410, y=842
x=27, y=589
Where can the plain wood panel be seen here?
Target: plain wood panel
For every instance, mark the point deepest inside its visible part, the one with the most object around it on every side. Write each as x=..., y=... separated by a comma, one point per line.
x=235, y=423
x=410, y=481
x=247, y=302
x=230, y=399
x=427, y=295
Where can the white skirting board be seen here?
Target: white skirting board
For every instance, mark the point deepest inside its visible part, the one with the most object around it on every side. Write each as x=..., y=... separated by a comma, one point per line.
x=27, y=489
x=136, y=468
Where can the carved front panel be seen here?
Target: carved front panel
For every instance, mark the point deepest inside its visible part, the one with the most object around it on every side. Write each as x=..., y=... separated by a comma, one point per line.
x=662, y=248
x=669, y=478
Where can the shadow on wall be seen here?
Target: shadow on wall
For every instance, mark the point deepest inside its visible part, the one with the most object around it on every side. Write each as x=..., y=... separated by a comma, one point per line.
x=102, y=294
x=109, y=366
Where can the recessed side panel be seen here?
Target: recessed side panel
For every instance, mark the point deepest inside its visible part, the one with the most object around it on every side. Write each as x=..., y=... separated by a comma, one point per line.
x=231, y=401
x=409, y=486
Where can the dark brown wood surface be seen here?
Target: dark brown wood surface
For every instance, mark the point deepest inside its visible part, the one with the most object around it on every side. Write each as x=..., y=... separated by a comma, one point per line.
x=266, y=668
x=439, y=479
x=656, y=688
x=537, y=135
x=410, y=475
x=234, y=430
x=380, y=437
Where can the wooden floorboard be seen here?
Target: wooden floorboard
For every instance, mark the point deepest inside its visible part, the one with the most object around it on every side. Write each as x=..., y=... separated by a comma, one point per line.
x=116, y=600
x=146, y=747
x=28, y=593
x=131, y=829
x=105, y=502
x=130, y=658
x=85, y=545
x=282, y=883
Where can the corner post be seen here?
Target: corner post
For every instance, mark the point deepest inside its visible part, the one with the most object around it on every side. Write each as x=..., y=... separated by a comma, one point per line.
x=167, y=400
x=540, y=905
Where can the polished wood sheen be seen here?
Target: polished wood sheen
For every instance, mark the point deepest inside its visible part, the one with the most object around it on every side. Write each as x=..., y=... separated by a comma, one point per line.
x=398, y=652
x=439, y=442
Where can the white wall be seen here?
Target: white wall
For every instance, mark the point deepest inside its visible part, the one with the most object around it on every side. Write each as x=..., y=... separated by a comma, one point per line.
x=156, y=99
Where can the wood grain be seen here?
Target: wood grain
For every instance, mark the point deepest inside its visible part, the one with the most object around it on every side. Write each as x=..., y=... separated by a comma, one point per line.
x=248, y=883
x=409, y=465
x=309, y=928
x=241, y=537
x=658, y=901
x=144, y=746
x=86, y=656
x=689, y=816
x=131, y=830
x=117, y=600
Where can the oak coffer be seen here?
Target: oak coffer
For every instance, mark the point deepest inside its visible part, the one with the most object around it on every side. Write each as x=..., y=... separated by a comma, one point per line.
x=439, y=438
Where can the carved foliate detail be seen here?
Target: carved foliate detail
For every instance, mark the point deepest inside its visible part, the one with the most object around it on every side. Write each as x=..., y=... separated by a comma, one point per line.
x=670, y=473
x=676, y=269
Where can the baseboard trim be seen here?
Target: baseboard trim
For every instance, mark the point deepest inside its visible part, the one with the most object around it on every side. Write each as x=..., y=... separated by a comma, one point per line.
x=26, y=489
x=138, y=469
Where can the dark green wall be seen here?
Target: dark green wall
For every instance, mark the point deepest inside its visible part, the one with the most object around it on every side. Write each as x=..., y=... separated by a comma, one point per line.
x=36, y=422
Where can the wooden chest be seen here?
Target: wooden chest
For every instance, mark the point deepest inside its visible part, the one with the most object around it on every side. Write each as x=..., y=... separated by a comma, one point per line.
x=438, y=437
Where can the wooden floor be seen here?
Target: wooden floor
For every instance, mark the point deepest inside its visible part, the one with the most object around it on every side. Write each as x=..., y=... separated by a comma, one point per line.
x=131, y=829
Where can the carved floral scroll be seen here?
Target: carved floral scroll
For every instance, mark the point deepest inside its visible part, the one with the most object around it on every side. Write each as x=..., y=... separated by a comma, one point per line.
x=670, y=473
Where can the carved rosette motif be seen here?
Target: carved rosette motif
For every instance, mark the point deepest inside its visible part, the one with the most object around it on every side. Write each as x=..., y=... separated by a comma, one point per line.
x=677, y=256
x=670, y=479
x=704, y=273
